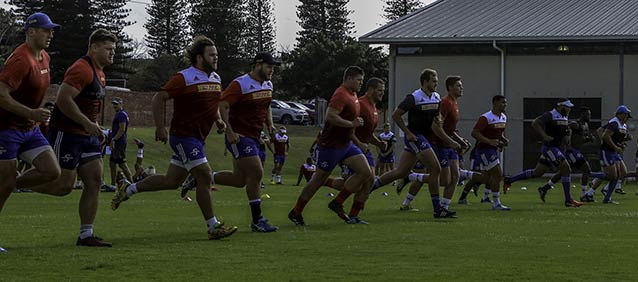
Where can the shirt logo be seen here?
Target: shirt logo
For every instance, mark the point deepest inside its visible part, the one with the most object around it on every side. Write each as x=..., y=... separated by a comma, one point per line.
x=499, y=125
x=247, y=150
x=196, y=78
x=195, y=152
x=428, y=107
x=262, y=94
x=44, y=71
x=209, y=88
x=66, y=158
x=324, y=164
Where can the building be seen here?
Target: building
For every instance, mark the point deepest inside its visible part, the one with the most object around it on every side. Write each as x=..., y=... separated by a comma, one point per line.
x=532, y=51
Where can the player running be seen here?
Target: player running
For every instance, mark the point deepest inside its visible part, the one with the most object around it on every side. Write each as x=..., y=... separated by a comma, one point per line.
x=614, y=137
x=282, y=145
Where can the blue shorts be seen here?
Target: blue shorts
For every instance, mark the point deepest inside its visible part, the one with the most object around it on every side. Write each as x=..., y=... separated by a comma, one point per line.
x=445, y=155
x=421, y=144
x=475, y=162
x=347, y=170
x=551, y=156
x=389, y=159
x=188, y=152
x=488, y=158
x=262, y=155
x=118, y=154
x=245, y=147
x=25, y=144
x=74, y=150
x=575, y=158
x=608, y=158
x=280, y=159
x=328, y=158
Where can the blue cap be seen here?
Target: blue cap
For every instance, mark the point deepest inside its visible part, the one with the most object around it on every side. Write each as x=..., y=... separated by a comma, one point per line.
x=622, y=109
x=40, y=20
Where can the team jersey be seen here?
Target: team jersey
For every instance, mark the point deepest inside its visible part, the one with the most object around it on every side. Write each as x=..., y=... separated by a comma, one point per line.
x=421, y=109
x=347, y=103
x=450, y=116
x=389, y=138
x=249, y=102
x=491, y=126
x=120, y=117
x=556, y=126
x=307, y=170
x=195, y=97
x=281, y=142
x=87, y=78
x=619, y=134
x=580, y=134
x=368, y=112
x=28, y=79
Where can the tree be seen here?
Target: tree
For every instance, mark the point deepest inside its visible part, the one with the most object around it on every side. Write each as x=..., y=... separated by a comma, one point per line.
x=167, y=27
x=9, y=34
x=259, y=19
x=111, y=15
x=23, y=8
x=153, y=73
x=395, y=9
x=326, y=18
x=223, y=22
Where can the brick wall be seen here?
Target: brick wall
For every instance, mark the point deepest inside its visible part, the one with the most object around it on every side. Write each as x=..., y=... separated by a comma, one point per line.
x=138, y=105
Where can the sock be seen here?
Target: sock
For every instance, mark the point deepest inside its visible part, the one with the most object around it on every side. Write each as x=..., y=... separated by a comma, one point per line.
x=131, y=189
x=550, y=183
x=599, y=175
x=278, y=178
x=464, y=195
x=329, y=182
x=416, y=177
x=86, y=231
x=255, y=208
x=343, y=196
x=467, y=174
x=610, y=191
x=357, y=206
x=408, y=199
x=436, y=202
x=521, y=175
x=619, y=185
x=567, y=184
x=272, y=177
x=212, y=177
x=445, y=203
x=496, y=198
x=211, y=222
x=300, y=205
x=486, y=193
x=606, y=188
x=591, y=192
x=583, y=190
x=377, y=183
x=140, y=153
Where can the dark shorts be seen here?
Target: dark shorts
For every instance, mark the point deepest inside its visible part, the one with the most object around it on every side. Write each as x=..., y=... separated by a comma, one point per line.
x=328, y=158
x=280, y=159
x=74, y=150
x=188, y=152
x=421, y=144
x=389, y=159
x=118, y=154
x=24, y=144
x=488, y=158
x=245, y=147
x=445, y=155
x=551, y=156
x=575, y=158
x=608, y=158
x=262, y=154
x=475, y=162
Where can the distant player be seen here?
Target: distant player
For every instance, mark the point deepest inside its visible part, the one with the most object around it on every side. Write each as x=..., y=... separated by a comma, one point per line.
x=140, y=171
x=614, y=137
x=553, y=127
x=195, y=92
x=119, y=129
x=23, y=84
x=385, y=159
x=306, y=171
x=282, y=145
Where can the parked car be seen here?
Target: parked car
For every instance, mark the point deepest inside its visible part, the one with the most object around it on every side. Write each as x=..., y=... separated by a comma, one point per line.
x=284, y=114
x=300, y=106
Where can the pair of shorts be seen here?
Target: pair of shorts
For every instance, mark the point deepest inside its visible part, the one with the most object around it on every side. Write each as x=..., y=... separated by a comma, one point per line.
x=389, y=159
x=445, y=155
x=349, y=171
x=609, y=158
x=551, y=156
x=74, y=150
x=245, y=147
x=262, y=155
x=24, y=144
x=475, y=162
x=118, y=154
x=188, y=152
x=488, y=158
x=328, y=158
x=575, y=158
x=421, y=144
x=280, y=159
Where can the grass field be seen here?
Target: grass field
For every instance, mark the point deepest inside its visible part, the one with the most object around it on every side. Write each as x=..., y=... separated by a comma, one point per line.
x=159, y=237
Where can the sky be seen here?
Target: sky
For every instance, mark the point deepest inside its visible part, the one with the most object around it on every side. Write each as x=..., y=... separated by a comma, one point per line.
x=367, y=15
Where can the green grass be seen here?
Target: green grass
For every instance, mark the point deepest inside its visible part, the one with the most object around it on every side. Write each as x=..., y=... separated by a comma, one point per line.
x=159, y=237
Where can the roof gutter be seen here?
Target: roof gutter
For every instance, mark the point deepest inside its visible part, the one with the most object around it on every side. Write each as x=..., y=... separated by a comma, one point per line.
x=502, y=66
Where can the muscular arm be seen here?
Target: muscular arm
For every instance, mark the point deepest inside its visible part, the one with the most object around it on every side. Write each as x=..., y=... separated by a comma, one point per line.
x=437, y=128
x=476, y=133
x=68, y=107
x=606, y=136
x=332, y=116
x=159, y=107
x=397, y=116
x=9, y=104
x=540, y=129
x=224, y=108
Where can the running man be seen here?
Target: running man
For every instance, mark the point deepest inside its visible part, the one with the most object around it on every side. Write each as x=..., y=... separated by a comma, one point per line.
x=336, y=146
x=119, y=128
x=385, y=159
x=23, y=84
x=282, y=145
x=614, y=137
x=422, y=107
x=553, y=127
x=195, y=92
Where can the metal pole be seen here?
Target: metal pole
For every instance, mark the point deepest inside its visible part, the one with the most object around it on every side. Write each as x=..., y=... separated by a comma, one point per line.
x=259, y=28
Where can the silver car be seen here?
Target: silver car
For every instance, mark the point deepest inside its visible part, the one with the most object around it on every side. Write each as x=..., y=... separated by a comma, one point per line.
x=284, y=114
